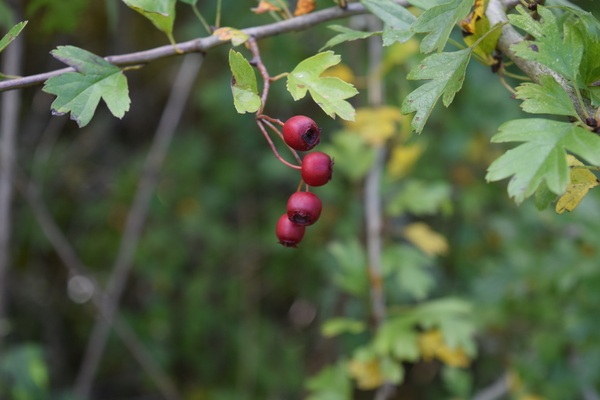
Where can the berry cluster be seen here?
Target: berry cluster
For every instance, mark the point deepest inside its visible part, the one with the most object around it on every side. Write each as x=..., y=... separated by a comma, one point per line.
x=303, y=208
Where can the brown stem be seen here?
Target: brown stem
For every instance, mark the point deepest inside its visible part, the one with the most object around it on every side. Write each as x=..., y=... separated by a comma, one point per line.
x=266, y=134
x=294, y=152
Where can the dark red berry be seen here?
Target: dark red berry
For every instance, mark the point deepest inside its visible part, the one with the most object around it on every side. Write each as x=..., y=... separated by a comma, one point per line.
x=316, y=168
x=304, y=208
x=301, y=133
x=289, y=233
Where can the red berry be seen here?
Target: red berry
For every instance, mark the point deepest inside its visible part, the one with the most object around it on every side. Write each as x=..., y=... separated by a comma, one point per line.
x=304, y=208
x=301, y=133
x=289, y=233
x=316, y=168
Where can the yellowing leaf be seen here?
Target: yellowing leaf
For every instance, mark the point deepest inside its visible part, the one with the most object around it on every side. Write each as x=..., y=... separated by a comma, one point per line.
x=376, y=125
x=431, y=345
x=236, y=36
x=304, y=7
x=468, y=24
x=342, y=71
x=403, y=158
x=264, y=6
x=582, y=180
x=368, y=374
x=422, y=236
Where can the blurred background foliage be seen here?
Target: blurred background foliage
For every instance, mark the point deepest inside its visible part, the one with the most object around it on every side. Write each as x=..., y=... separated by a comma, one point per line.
x=478, y=289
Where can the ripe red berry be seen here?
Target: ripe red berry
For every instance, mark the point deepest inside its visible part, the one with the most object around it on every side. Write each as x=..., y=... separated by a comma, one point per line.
x=304, y=208
x=289, y=233
x=316, y=168
x=301, y=133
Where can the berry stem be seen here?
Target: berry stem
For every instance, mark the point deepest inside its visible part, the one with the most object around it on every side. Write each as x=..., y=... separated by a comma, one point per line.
x=267, y=118
x=270, y=125
x=300, y=185
x=264, y=131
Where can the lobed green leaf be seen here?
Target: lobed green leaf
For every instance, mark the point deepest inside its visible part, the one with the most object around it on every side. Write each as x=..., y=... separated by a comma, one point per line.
x=346, y=35
x=438, y=22
x=80, y=92
x=447, y=72
x=160, y=12
x=543, y=155
x=328, y=92
x=547, y=98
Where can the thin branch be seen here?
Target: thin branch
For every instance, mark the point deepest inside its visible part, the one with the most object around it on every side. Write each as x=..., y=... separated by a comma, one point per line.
x=204, y=44
x=135, y=220
x=9, y=125
x=266, y=135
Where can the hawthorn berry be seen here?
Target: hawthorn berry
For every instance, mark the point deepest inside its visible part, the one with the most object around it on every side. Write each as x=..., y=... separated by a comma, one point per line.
x=289, y=233
x=304, y=208
x=316, y=168
x=301, y=133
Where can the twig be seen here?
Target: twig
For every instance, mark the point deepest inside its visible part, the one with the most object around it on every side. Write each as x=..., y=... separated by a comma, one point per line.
x=266, y=135
x=135, y=220
x=9, y=125
x=204, y=44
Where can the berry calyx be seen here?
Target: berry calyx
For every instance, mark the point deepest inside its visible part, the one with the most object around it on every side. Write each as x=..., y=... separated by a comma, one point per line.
x=304, y=208
x=301, y=133
x=316, y=168
x=289, y=233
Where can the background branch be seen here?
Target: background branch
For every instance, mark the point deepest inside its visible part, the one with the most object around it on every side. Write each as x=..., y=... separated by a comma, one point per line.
x=136, y=218
x=203, y=44
x=9, y=125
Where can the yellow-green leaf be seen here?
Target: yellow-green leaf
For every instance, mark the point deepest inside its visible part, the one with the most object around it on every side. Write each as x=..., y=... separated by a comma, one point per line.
x=582, y=180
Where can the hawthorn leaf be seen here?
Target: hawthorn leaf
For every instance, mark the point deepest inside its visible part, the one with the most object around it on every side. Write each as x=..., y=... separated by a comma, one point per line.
x=589, y=68
x=328, y=92
x=391, y=35
x=587, y=18
x=446, y=72
x=243, y=84
x=547, y=98
x=543, y=197
x=346, y=35
x=426, y=4
x=582, y=180
x=438, y=22
x=80, y=92
x=160, y=12
x=393, y=14
x=12, y=34
x=190, y=2
x=548, y=48
x=542, y=156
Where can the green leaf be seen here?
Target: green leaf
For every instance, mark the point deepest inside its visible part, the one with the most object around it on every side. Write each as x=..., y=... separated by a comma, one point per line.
x=353, y=156
x=12, y=34
x=346, y=34
x=80, y=92
x=544, y=197
x=336, y=326
x=191, y=2
x=420, y=198
x=160, y=12
x=488, y=44
x=547, y=98
x=587, y=18
x=549, y=48
x=243, y=84
x=398, y=338
x=409, y=265
x=394, y=15
x=589, y=69
x=352, y=260
x=542, y=156
x=392, y=370
x=328, y=92
x=447, y=72
x=391, y=36
x=438, y=22
x=331, y=383
x=426, y=4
